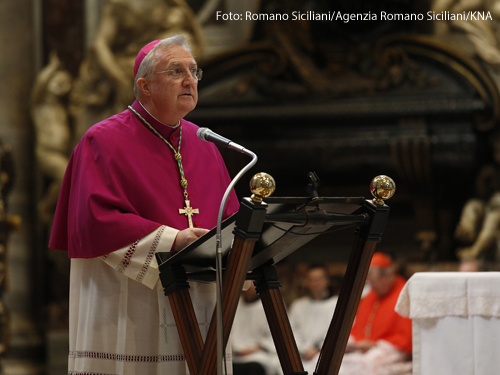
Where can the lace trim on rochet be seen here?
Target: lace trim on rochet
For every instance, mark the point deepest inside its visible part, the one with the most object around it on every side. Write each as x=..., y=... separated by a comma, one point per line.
x=126, y=357
x=151, y=254
x=127, y=258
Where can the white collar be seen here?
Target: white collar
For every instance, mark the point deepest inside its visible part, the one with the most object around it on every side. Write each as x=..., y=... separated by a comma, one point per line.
x=170, y=126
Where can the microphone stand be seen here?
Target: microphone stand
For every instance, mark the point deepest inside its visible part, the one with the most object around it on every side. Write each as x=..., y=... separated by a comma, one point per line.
x=218, y=259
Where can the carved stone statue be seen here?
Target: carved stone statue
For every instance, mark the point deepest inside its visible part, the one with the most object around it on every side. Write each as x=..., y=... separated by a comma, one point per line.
x=479, y=223
x=483, y=34
x=477, y=38
x=105, y=83
x=53, y=133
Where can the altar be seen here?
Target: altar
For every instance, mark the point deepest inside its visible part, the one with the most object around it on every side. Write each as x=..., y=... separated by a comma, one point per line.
x=456, y=322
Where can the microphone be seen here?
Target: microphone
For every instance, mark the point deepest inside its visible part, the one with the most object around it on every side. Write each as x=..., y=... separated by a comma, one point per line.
x=205, y=134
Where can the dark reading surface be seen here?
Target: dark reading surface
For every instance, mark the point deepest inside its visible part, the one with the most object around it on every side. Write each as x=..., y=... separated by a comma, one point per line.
x=278, y=240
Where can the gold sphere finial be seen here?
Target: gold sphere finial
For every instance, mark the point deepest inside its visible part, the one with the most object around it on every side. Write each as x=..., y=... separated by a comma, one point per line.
x=262, y=185
x=382, y=188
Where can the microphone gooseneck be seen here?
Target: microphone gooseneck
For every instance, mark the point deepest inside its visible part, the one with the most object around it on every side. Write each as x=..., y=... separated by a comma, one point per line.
x=207, y=135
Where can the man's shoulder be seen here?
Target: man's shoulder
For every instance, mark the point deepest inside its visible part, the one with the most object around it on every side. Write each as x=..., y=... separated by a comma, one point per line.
x=115, y=130
x=189, y=131
x=399, y=284
x=370, y=298
x=189, y=127
x=109, y=126
x=332, y=299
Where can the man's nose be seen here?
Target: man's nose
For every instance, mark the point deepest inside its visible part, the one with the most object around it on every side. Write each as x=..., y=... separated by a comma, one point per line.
x=189, y=79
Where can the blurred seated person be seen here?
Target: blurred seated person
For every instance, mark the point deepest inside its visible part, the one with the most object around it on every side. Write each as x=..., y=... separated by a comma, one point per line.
x=310, y=316
x=254, y=352
x=381, y=339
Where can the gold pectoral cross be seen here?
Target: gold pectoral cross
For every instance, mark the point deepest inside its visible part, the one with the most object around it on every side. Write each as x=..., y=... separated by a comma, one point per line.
x=189, y=211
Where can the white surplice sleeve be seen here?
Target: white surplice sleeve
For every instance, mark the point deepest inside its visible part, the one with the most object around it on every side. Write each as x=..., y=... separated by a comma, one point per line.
x=137, y=260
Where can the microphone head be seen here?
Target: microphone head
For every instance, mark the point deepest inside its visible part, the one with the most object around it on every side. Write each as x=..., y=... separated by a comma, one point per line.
x=205, y=134
x=201, y=132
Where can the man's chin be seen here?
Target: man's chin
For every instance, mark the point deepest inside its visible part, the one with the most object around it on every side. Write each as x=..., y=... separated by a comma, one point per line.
x=188, y=108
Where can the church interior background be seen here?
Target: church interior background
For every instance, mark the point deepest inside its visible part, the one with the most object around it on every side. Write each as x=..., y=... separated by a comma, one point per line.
x=417, y=100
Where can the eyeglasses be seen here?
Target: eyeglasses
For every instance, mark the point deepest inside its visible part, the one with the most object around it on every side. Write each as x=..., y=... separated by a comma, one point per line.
x=177, y=74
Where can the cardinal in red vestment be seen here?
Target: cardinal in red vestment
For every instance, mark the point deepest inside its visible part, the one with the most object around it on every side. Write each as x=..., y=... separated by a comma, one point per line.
x=381, y=339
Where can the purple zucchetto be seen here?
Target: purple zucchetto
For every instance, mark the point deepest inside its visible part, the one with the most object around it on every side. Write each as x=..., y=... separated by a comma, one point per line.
x=142, y=54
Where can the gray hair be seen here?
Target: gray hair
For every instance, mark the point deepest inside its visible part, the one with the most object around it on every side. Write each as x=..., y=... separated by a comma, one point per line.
x=151, y=60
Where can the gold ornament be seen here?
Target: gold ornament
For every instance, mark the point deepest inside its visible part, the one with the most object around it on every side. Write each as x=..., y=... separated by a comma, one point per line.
x=382, y=188
x=262, y=185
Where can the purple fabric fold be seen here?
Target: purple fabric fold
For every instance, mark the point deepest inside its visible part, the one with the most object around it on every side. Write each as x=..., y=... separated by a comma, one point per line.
x=122, y=182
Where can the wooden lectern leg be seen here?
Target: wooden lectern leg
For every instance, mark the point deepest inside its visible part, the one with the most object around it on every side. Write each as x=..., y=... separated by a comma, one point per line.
x=267, y=286
x=232, y=284
x=335, y=342
x=336, y=339
x=177, y=289
x=247, y=231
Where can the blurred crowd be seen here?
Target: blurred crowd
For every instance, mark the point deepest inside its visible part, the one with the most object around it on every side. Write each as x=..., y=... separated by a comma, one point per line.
x=380, y=341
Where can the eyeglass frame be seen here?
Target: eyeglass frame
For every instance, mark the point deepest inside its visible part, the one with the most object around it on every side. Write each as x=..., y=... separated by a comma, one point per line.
x=199, y=73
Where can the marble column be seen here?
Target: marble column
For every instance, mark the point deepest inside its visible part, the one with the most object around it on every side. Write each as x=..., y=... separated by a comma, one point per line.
x=17, y=71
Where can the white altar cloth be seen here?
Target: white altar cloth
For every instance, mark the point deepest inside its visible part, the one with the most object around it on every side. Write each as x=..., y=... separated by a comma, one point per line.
x=456, y=322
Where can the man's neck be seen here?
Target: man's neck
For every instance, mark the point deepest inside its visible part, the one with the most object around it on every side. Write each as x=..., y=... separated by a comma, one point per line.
x=150, y=112
x=320, y=295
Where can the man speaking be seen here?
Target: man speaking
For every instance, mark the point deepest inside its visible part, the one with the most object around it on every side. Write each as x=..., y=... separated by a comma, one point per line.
x=138, y=182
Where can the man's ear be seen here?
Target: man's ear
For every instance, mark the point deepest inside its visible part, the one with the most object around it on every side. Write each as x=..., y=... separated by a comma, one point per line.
x=144, y=86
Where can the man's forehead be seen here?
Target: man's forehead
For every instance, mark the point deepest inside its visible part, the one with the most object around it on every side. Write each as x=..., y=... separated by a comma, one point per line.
x=179, y=63
x=378, y=270
x=314, y=272
x=178, y=55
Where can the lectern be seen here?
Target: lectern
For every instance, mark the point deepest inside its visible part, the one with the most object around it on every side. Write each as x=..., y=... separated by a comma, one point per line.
x=264, y=231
